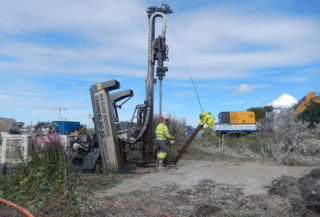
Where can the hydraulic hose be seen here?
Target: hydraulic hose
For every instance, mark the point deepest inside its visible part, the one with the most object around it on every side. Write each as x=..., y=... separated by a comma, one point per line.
x=15, y=206
x=144, y=127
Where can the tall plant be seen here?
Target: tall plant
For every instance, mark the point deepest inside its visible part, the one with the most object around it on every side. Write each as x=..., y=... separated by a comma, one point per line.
x=44, y=182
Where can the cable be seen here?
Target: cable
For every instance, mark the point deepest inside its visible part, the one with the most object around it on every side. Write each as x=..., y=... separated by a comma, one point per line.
x=185, y=62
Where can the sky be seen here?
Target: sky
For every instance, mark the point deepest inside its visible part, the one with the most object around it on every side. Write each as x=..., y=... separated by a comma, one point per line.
x=240, y=54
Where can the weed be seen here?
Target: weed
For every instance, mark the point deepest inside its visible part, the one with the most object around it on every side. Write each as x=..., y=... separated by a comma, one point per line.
x=285, y=139
x=46, y=183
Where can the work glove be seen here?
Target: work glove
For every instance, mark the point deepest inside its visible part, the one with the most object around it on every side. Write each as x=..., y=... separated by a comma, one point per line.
x=171, y=142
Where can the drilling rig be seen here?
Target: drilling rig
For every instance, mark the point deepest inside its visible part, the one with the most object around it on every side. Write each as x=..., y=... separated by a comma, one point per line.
x=113, y=138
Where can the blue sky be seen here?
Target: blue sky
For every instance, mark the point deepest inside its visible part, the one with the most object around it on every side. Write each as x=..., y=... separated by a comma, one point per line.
x=240, y=54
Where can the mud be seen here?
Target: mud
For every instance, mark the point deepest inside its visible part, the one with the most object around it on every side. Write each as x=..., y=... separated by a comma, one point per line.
x=250, y=176
x=205, y=188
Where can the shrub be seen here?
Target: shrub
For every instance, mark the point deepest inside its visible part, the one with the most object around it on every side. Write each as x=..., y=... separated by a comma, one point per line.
x=285, y=137
x=311, y=115
x=260, y=112
x=46, y=182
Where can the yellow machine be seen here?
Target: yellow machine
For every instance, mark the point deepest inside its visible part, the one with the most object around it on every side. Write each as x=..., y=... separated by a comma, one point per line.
x=242, y=117
x=306, y=101
x=236, y=123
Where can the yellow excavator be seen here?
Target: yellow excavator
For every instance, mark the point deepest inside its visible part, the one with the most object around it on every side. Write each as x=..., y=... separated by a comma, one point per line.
x=306, y=101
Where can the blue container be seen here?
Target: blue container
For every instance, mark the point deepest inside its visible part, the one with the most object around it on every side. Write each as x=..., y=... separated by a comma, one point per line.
x=67, y=127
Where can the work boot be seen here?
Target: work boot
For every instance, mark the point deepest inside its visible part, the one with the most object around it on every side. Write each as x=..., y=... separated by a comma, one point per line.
x=161, y=167
x=160, y=164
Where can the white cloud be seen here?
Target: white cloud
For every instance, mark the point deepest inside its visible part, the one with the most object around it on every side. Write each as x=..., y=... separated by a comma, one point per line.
x=233, y=44
x=236, y=102
x=37, y=14
x=244, y=88
x=260, y=86
x=296, y=79
x=181, y=94
x=4, y=97
x=217, y=44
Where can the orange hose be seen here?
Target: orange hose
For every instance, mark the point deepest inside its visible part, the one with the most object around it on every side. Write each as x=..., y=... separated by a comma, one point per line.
x=19, y=208
x=127, y=205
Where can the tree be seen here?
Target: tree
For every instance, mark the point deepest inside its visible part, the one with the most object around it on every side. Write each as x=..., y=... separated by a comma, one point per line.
x=311, y=114
x=259, y=112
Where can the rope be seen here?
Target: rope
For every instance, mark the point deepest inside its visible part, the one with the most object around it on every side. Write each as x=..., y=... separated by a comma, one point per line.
x=185, y=62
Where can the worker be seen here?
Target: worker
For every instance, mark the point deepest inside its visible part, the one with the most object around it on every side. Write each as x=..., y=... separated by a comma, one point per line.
x=206, y=118
x=163, y=136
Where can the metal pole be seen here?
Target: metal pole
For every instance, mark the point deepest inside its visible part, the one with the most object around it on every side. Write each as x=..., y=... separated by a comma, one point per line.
x=160, y=99
x=187, y=144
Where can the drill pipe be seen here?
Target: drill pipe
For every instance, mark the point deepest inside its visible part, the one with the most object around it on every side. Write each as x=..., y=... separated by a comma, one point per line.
x=187, y=144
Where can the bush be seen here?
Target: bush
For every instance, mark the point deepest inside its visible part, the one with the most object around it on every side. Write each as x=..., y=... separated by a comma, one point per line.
x=46, y=182
x=311, y=115
x=260, y=112
x=286, y=135
x=285, y=139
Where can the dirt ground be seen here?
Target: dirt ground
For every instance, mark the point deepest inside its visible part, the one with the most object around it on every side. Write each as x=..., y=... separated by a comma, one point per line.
x=209, y=188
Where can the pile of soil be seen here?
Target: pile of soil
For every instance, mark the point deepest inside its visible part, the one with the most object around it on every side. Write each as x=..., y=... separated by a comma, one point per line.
x=6, y=124
x=303, y=193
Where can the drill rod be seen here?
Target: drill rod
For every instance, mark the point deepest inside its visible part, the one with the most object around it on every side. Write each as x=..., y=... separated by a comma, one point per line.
x=187, y=144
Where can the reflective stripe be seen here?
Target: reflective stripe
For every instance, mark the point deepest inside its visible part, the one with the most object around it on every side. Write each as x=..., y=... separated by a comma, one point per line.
x=162, y=132
x=161, y=155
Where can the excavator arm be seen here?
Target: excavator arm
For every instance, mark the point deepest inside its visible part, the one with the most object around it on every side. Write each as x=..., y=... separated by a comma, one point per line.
x=306, y=101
